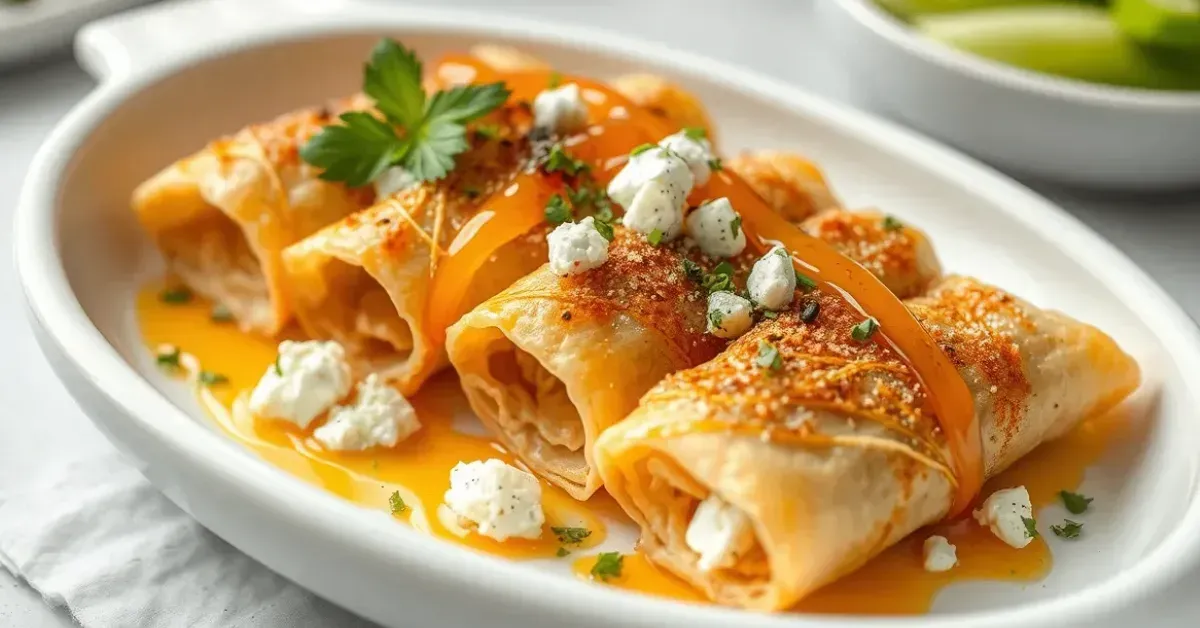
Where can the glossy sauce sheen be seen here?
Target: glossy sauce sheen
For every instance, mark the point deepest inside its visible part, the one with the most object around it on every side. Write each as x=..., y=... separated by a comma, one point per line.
x=419, y=468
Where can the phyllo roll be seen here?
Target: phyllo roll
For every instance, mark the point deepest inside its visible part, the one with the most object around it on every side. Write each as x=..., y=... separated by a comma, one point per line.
x=551, y=362
x=801, y=451
x=223, y=216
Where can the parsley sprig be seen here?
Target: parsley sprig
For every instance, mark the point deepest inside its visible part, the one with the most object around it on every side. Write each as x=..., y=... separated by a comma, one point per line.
x=419, y=132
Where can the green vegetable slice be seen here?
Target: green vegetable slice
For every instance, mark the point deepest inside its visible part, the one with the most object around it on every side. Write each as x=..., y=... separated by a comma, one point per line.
x=1173, y=23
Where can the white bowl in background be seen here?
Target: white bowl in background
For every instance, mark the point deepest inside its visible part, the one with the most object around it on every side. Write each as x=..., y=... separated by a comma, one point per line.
x=81, y=256
x=1029, y=123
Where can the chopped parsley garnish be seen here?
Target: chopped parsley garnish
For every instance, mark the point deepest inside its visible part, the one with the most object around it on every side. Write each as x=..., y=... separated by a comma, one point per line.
x=810, y=312
x=488, y=131
x=640, y=149
x=768, y=356
x=604, y=213
x=805, y=283
x=396, y=503
x=168, y=357
x=695, y=133
x=559, y=161
x=890, y=223
x=769, y=315
x=735, y=225
x=693, y=271
x=1068, y=530
x=715, y=165
x=654, y=237
x=864, y=330
x=562, y=551
x=557, y=210
x=278, y=369
x=176, y=296
x=604, y=228
x=419, y=132
x=1077, y=504
x=720, y=279
x=221, y=313
x=571, y=535
x=209, y=378
x=555, y=80
x=608, y=565
x=716, y=318
x=1030, y=527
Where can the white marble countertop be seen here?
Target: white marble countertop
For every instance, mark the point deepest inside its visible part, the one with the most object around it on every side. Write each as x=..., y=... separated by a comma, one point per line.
x=777, y=37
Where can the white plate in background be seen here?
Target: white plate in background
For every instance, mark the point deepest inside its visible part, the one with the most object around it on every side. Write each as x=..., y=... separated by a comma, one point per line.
x=35, y=27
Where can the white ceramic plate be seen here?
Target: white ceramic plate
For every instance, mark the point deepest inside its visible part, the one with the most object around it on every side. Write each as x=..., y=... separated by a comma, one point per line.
x=80, y=256
x=38, y=26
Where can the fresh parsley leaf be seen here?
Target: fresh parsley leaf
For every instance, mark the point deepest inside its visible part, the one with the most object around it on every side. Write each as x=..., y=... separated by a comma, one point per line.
x=604, y=228
x=221, y=313
x=716, y=318
x=396, y=503
x=559, y=161
x=1068, y=530
x=608, y=565
x=721, y=278
x=168, y=357
x=806, y=283
x=768, y=357
x=810, y=312
x=571, y=535
x=604, y=212
x=864, y=330
x=209, y=378
x=890, y=223
x=1077, y=504
x=695, y=133
x=557, y=210
x=356, y=151
x=638, y=150
x=278, y=369
x=735, y=225
x=654, y=237
x=715, y=165
x=692, y=271
x=392, y=79
x=176, y=296
x=562, y=551
x=1030, y=527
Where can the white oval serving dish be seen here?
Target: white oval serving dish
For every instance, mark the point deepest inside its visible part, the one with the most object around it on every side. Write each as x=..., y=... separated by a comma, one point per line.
x=80, y=257
x=1070, y=131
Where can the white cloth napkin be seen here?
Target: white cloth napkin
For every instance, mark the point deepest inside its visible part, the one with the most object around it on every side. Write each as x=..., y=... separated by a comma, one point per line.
x=96, y=538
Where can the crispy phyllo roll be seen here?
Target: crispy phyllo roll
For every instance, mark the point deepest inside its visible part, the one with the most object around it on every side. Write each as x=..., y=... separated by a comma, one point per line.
x=801, y=451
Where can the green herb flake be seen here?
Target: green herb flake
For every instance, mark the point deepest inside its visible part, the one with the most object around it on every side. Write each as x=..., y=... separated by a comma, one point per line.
x=1068, y=530
x=715, y=165
x=604, y=213
x=604, y=228
x=654, y=237
x=692, y=271
x=720, y=279
x=396, y=503
x=608, y=565
x=891, y=223
x=557, y=210
x=421, y=133
x=716, y=317
x=167, y=357
x=735, y=225
x=805, y=283
x=811, y=310
x=555, y=80
x=209, y=378
x=769, y=315
x=768, y=357
x=278, y=369
x=863, y=331
x=221, y=313
x=695, y=133
x=1030, y=527
x=570, y=535
x=1076, y=504
x=562, y=552
x=176, y=295
x=640, y=149
x=488, y=131
x=559, y=161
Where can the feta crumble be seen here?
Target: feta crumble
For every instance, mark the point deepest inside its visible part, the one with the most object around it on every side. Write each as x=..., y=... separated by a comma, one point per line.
x=499, y=500
x=576, y=247
x=561, y=109
x=379, y=417
x=306, y=380
x=729, y=315
x=696, y=151
x=940, y=555
x=719, y=532
x=393, y=180
x=716, y=228
x=772, y=280
x=653, y=187
x=1004, y=512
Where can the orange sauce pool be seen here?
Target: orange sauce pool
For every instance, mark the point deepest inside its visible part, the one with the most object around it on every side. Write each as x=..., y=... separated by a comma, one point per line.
x=419, y=468
x=893, y=583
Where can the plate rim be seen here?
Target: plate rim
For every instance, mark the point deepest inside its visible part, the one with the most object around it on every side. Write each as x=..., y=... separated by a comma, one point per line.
x=54, y=309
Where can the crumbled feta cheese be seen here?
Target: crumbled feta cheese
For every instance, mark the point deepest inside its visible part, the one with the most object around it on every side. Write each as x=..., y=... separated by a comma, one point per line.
x=561, y=109
x=653, y=187
x=306, y=380
x=379, y=417
x=728, y=314
x=940, y=555
x=499, y=500
x=392, y=180
x=696, y=151
x=772, y=280
x=1005, y=513
x=719, y=532
x=716, y=228
x=576, y=247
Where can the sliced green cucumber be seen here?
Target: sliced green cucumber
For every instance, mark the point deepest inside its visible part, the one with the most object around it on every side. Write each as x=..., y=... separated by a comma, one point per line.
x=1160, y=22
x=1072, y=41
